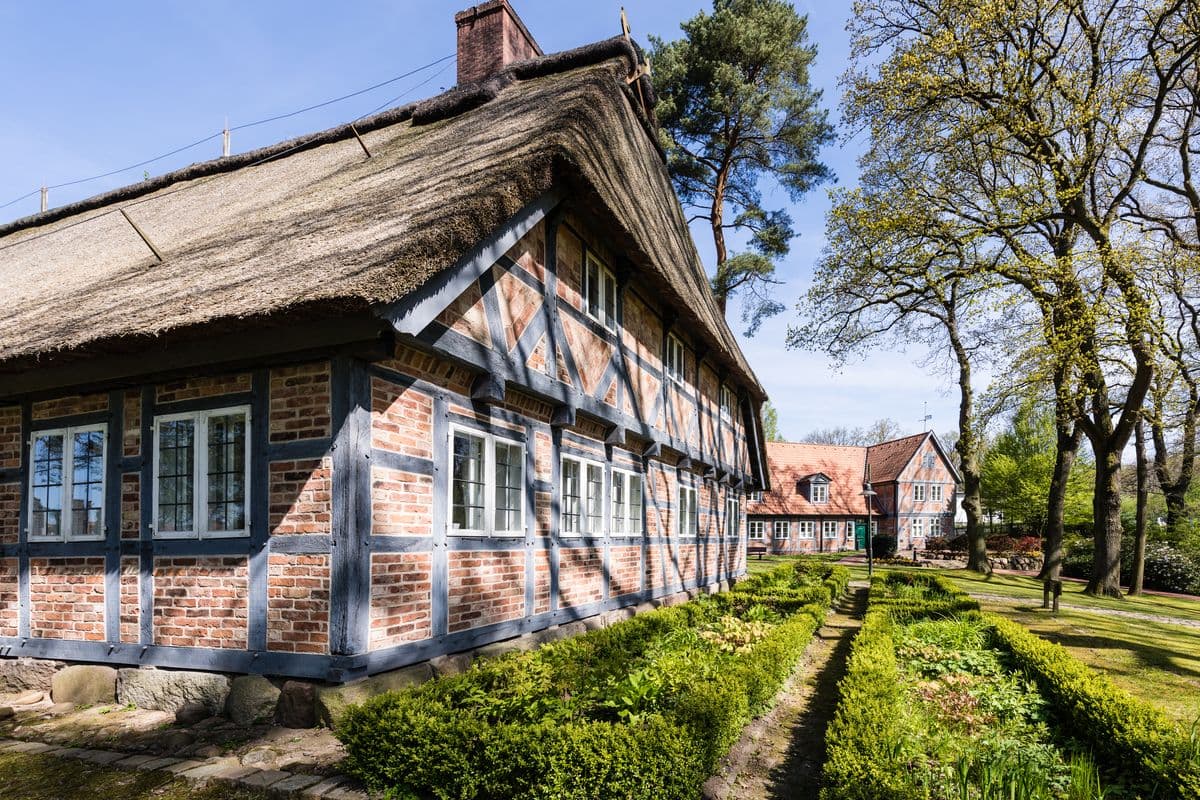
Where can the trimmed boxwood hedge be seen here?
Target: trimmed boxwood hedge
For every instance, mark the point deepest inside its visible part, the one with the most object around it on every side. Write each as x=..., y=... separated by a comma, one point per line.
x=506, y=729
x=867, y=755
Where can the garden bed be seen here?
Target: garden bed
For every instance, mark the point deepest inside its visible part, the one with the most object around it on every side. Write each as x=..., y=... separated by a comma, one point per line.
x=645, y=708
x=943, y=702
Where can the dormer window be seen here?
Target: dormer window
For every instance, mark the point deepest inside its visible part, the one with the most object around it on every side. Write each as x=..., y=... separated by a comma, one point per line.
x=599, y=292
x=818, y=493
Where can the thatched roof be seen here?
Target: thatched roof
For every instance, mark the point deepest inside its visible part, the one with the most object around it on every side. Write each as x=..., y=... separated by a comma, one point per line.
x=313, y=226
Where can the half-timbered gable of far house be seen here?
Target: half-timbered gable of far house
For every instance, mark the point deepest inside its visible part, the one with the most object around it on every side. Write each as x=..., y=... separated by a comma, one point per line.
x=376, y=394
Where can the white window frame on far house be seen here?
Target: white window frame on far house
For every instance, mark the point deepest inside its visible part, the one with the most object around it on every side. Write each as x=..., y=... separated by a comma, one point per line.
x=918, y=492
x=786, y=528
x=589, y=524
x=819, y=492
x=807, y=529
x=199, y=476
x=66, y=484
x=733, y=512
x=850, y=528
x=917, y=529
x=874, y=527
x=490, y=444
x=625, y=491
x=728, y=402
x=935, y=492
x=676, y=360
x=599, y=291
x=935, y=526
x=829, y=529
x=756, y=530
x=686, y=512
x=756, y=496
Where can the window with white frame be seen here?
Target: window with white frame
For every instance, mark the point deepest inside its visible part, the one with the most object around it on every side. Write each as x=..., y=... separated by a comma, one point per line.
x=674, y=365
x=685, y=511
x=756, y=497
x=829, y=529
x=849, y=529
x=625, y=502
x=918, y=492
x=928, y=460
x=487, y=484
x=935, y=492
x=733, y=517
x=874, y=528
x=599, y=292
x=935, y=526
x=918, y=528
x=818, y=493
x=808, y=529
x=66, y=483
x=728, y=402
x=755, y=529
x=783, y=529
x=582, y=497
x=202, y=474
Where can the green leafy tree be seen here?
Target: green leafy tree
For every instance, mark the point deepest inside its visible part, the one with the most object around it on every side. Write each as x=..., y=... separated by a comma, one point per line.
x=735, y=105
x=770, y=423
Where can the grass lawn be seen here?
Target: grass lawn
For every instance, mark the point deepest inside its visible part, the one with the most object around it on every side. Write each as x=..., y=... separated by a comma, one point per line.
x=31, y=777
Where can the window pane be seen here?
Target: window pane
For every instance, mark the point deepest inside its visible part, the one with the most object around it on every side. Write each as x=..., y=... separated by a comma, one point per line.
x=635, y=503
x=509, y=479
x=226, y=472
x=87, y=477
x=176, y=475
x=595, y=498
x=610, y=300
x=592, y=290
x=467, y=483
x=572, y=498
x=619, y=506
x=46, y=501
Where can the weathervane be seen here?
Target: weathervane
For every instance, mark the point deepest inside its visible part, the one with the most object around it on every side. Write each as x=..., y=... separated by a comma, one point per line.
x=927, y=416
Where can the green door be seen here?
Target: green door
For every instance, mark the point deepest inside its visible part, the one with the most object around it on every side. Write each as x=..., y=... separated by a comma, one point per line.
x=860, y=535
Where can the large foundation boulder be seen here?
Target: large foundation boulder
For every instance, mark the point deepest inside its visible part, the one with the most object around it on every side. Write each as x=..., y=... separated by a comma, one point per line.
x=297, y=706
x=84, y=685
x=333, y=700
x=20, y=675
x=169, y=690
x=252, y=699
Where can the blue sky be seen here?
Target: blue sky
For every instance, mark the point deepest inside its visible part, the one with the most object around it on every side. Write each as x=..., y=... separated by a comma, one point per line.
x=89, y=87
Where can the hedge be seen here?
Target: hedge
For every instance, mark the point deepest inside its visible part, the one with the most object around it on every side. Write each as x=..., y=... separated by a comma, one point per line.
x=512, y=727
x=867, y=750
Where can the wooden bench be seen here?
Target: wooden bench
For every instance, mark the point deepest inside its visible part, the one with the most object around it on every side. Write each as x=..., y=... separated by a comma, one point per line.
x=759, y=550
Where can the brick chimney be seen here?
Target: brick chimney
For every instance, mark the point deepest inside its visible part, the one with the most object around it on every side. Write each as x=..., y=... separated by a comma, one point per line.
x=490, y=37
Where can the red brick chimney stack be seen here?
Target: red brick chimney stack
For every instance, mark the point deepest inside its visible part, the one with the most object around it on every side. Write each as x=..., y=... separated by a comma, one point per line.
x=490, y=37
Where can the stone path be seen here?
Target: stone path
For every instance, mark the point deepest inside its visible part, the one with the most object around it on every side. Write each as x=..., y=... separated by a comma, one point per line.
x=780, y=755
x=1111, y=612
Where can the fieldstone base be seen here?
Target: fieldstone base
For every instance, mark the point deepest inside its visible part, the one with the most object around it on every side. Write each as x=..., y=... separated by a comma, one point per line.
x=84, y=684
x=26, y=674
x=169, y=690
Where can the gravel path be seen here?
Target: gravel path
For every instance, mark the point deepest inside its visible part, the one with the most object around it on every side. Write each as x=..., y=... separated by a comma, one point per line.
x=1112, y=612
x=780, y=755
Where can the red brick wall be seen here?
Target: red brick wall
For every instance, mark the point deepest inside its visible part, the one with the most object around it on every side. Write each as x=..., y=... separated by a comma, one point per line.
x=131, y=519
x=467, y=316
x=580, y=575
x=68, y=406
x=132, y=410
x=485, y=588
x=10, y=512
x=654, y=566
x=298, y=603
x=66, y=598
x=300, y=402
x=129, y=601
x=301, y=496
x=10, y=437
x=489, y=37
x=401, y=503
x=417, y=364
x=193, y=388
x=625, y=566
x=9, y=601
x=401, y=589
x=541, y=581
x=401, y=419
x=201, y=602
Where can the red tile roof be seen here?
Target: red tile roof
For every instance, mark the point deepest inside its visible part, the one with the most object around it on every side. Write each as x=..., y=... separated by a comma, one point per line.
x=888, y=459
x=790, y=462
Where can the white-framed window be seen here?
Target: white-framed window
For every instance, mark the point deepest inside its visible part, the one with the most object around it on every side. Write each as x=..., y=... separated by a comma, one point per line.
x=733, y=517
x=874, y=528
x=935, y=526
x=202, y=474
x=928, y=460
x=599, y=291
x=850, y=529
x=783, y=529
x=829, y=529
x=685, y=511
x=918, y=492
x=625, y=502
x=935, y=492
x=582, y=497
x=818, y=492
x=808, y=529
x=755, y=529
x=728, y=402
x=487, y=484
x=674, y=365
x=66, y=483
x=918, y=527
x=756, y=497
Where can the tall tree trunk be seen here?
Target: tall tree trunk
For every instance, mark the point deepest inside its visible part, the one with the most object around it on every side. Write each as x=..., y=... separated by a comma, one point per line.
x=1175, y=487
x=1066, y=449
x=1107, y=529
x=1143, y=497
x=968, y=446
x=717, y=219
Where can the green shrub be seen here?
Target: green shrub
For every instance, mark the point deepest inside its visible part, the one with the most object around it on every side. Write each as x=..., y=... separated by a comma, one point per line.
x=1168, y=568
